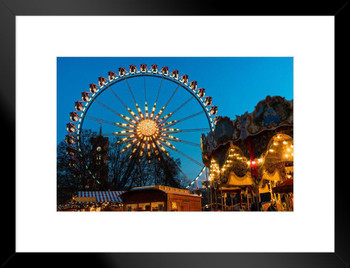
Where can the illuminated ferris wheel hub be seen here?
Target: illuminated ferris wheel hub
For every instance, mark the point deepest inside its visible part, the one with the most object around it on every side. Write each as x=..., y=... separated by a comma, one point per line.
x=147, y=128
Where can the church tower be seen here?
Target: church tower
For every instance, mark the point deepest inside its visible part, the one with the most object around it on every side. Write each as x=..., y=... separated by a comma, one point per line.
x=98, y=161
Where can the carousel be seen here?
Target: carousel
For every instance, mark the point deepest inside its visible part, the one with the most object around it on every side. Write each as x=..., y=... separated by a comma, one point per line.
x=250, y=159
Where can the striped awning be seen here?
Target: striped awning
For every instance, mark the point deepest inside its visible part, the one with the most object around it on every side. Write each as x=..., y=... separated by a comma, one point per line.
x=102, y=196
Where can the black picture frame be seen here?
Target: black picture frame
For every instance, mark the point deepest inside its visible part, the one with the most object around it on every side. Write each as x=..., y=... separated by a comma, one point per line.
x=9, y=9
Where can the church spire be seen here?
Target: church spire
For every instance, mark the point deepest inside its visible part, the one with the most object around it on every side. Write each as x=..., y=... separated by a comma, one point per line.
x=100, y=134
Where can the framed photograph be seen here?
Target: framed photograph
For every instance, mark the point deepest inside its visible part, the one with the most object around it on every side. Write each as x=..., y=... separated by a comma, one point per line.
x=139, y=136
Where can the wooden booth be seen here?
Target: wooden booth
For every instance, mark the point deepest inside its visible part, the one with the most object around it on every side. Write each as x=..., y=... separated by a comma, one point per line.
x=160, y=198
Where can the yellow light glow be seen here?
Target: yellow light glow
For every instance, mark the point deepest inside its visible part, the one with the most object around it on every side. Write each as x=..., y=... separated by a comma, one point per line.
x=147, y=127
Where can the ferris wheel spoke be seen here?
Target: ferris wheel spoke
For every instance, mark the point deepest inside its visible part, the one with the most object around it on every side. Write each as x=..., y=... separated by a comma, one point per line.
x=159, y=113
x=153, y=110
x=158, y=147
x=135, y=150
x=117, y=97
x=131, y=133
x=114, y=134
x=190, y=116
x=142, y=150
x=186, y=142
x=124, y=126
x=182, y=105
x=164, y=107
x=171, y=123
x=100, y=120
x=131, y=143
x=107, y=107
x=153, y=147
x=144, y=87
x=163, y=151
x=167, y=136
x=175, y=130
x=125, y=118
x=165, y=118
x=123, y=140
x=172, y=147
x=177, y=166
x=155, y=103
x=148, y=150
x=126, y=107
x=129, y=168
x=172, y=96
x=160, y=86
x=132, y=94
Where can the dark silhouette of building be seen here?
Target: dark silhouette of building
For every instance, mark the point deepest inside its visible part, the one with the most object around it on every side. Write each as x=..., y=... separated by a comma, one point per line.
x=98, y=161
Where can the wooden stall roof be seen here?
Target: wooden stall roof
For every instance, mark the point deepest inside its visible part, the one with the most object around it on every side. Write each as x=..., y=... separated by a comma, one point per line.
x=165, y=189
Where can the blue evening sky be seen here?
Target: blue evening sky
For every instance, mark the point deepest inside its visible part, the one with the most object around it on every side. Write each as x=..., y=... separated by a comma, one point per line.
x=236, y=85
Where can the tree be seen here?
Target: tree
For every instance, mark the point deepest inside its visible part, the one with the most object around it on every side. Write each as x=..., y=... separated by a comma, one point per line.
x=72, y=178
x=124, y=173
x=66, y=182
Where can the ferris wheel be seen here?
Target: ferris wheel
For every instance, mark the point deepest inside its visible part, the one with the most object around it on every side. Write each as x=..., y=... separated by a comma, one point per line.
x=155, y=114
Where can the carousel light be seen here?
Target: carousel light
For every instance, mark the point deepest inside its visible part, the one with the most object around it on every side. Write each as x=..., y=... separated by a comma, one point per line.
x=271, y=150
